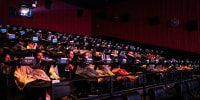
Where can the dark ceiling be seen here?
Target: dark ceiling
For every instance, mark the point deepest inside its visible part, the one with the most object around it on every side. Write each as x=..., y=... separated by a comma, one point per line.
x=92, y=4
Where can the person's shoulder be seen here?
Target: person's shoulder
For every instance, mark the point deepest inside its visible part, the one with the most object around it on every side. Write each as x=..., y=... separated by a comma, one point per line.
x=2, y=64
x=44, y=62
x=73, y=60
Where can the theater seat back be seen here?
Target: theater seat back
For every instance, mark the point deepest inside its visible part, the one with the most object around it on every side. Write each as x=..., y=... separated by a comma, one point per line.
x=157, y=93
x=190, y=85
x=196, y=84
x=60, y=90
x=181, y=88
x=181, y=91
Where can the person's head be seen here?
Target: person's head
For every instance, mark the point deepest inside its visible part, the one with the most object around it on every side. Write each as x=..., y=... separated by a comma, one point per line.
x=6, y=58
x=70, y=54
x=130, y=52
x=39, y=56
x=86, y=55
x=55, y=37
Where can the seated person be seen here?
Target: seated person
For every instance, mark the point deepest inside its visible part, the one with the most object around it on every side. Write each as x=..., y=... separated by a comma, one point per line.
x=160, y=68
x=7, y=68
x=86, y=71
x=137, y=55
x=118, y=71
x=156, y=68
x=123, y=54
x=19, y=46
x=172, y=67
x=190, y=66
x=95, y=55
x=34, y=76
x=150, y=67
x=72, y=62
x=40, y=70
x=105, y=70
x=130, y=54
x=43, y=65
x=31, y=46
x=131, y=66
x=7, y=64
x=151, y=55
x=81, y=68
x=184, y=67
x=114, y=53
x=40, y=46
x=58, y=47
x=50, y=47
x=87, y=57
x=40, y=63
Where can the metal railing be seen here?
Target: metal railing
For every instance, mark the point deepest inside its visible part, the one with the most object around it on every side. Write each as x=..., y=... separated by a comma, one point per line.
x=145, y=80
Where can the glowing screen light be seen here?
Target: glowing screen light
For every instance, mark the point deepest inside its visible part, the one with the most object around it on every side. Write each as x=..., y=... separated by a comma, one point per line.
x=26, y=10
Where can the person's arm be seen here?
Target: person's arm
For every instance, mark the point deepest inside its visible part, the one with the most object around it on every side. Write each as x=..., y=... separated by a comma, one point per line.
x=70, y=66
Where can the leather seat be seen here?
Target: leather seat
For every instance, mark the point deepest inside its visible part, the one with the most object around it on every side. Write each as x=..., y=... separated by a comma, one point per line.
x=158, y=93
x=181, y=91
x=196, y=85
x=193, y=88
x=60, y=90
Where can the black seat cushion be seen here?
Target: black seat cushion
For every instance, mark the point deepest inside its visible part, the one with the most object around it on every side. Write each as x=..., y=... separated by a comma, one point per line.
x=191, y=88
x=181, y=88
x=181, y=91
x=158, y=93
